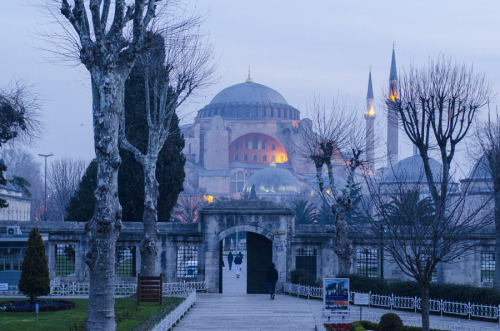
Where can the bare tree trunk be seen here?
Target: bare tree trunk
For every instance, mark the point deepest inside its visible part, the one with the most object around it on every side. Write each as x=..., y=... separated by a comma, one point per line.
x=149, y=219
x=104, y=228
x=425, y=293
x=496, y=279
x=343, y=248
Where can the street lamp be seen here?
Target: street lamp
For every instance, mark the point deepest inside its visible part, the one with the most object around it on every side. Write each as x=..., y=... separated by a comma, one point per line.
x=45, y=194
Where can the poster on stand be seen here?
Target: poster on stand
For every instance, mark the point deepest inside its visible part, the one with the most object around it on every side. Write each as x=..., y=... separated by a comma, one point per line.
x=336, y=294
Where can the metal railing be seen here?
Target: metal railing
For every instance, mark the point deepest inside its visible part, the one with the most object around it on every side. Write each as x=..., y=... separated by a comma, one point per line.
x=444, y=307
x=175, y=315
x=121, y=289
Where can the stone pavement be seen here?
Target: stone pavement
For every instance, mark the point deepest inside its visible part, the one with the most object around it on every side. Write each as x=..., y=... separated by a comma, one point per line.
x=232, y=285
x=256, y=312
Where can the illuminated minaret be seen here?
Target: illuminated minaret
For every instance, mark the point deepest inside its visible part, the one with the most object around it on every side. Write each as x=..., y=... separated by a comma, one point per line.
x=392, y=117
x=370, y=130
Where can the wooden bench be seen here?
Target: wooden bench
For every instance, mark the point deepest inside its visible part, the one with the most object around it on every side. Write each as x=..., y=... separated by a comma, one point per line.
x=149, y=289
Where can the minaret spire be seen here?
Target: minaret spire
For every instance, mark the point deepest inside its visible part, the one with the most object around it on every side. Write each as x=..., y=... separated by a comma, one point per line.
x=392, y=116
x=370, y=121
x=249, y=79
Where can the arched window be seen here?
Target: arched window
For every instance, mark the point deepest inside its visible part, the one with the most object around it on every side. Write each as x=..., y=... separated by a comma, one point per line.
x=236, y=146
x=246, y=143
x=273, y=158
x=255, y=142
x=254, y=158
x=273, y=147
x=282, y=158
x=264, y=158
x=245, y=157
x=236, y=157
x=238, y=181
x=264, y=142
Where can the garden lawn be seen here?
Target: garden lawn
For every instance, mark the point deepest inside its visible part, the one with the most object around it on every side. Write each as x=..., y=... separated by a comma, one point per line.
x=127, y=316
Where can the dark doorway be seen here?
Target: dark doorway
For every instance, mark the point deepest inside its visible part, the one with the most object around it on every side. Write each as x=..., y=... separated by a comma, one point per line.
x=259, y=250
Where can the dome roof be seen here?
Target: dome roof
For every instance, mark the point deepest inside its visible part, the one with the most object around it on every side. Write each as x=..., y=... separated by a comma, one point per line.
x=249, y=101
x=249, y=92
x=481, y=169
x=411, y=170
x=273, y=180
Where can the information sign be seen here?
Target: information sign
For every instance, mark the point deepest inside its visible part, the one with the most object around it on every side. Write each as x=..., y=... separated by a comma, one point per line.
x=361, y=299
x=336, y=294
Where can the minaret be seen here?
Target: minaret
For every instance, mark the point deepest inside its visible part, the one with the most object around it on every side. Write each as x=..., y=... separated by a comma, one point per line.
x=392, y=117
x=370, y=129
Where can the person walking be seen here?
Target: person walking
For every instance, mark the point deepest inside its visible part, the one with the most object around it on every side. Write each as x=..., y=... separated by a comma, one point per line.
x=271, y=279
x=238, y=260
x=230, y=260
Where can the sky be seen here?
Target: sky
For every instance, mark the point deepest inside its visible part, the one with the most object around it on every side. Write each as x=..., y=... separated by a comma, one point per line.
x=306, y=50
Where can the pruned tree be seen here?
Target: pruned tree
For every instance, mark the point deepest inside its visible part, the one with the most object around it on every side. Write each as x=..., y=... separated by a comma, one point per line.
x=173, y=68
x=63, y=178
x=488, y=145
x=35, y=280
x=109, y=35
x=436, y=107
x=333, y=139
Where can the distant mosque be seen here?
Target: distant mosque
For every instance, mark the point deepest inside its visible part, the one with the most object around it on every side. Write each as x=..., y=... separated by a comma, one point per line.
x=248, y=135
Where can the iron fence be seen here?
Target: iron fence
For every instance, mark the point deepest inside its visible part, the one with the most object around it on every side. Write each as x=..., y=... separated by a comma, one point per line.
x=443, y=307
x=175, y=315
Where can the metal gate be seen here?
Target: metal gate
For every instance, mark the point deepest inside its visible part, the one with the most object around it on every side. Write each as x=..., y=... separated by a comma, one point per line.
x=259, y=251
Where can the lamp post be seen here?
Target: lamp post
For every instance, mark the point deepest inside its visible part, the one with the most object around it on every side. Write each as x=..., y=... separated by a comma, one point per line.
x=45, y=192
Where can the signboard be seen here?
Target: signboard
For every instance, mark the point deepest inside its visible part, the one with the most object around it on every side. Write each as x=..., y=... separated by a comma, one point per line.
x=362, y=299
x=279, y=249
x=336, y=294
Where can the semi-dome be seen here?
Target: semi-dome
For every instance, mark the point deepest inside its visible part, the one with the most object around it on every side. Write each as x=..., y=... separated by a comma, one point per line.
x=411, y=170
x=273, y=180
x=249, y=101
x=481, y=170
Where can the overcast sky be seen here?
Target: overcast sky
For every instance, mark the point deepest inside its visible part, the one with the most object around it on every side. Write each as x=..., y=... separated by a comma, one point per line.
x=302, y=49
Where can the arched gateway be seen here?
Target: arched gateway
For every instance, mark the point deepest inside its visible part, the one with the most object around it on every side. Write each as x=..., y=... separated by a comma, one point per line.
x=268, y=229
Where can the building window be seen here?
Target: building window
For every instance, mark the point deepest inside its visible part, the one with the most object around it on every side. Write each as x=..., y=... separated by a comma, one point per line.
x=246, y=143
x=487, y=267
x=238, y=181
x=273, y=159
x=11, y=258
x=264, y=142
x=254, y=158
x=305, y=258
x=279, y=112
x=255, y=142
x=187, y=261
x=282, y=158
x=245, y=157
x=272, y=112
x=236, y=157
x=367, y=262
x=273, y=147
x=65, y=260
x=125, y=261
x=264, y=158
x=236, y=146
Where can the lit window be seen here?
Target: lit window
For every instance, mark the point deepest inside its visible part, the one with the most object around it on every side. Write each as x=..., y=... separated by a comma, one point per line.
x=282, y=158
x=487, y=267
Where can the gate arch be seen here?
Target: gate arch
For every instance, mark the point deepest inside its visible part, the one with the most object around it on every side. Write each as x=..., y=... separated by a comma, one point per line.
x=246, y=228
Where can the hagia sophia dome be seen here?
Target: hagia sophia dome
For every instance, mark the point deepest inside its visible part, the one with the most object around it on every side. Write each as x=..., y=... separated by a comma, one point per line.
x=411, y=170
x=273, y=180
x=250, y=101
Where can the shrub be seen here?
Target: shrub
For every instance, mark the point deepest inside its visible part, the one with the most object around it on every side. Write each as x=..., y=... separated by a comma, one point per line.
x=356, y=326
x=390, y=322
x=35, y=280
x=369, y=325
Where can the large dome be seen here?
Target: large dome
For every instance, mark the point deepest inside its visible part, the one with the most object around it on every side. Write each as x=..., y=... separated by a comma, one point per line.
x=249, y=92
x=249, y=101
x=273, y=180
x=411, y=170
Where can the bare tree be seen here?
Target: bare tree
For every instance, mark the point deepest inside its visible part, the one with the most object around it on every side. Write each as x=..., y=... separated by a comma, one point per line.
x=190, y=202
x=488, y=142
x=110, y=34
x=324, y=141
x=436, y=107
x=169, y=81
x=63, y=178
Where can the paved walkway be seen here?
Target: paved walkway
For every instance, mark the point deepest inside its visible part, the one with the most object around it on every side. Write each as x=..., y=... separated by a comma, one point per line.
x=231, y=285
x=257, y=312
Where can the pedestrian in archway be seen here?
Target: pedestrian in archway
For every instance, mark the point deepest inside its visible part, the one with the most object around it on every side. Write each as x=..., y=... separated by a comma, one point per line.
x=238, y=260
x=230, y=260
x=271, y=279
